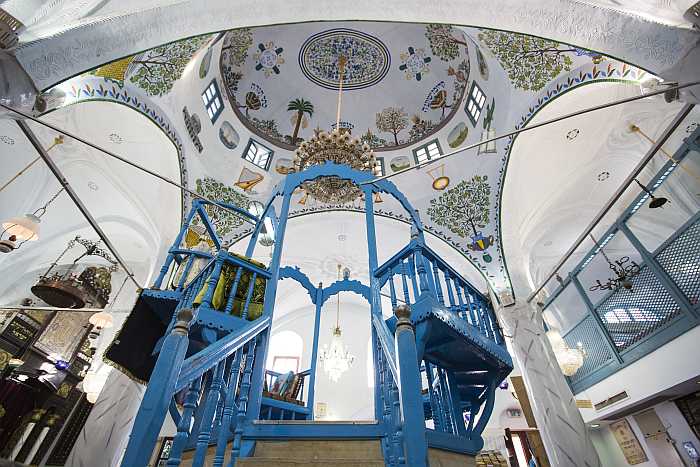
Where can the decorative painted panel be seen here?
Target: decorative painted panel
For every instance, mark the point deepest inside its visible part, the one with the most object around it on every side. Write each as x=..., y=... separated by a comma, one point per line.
x=63, y=334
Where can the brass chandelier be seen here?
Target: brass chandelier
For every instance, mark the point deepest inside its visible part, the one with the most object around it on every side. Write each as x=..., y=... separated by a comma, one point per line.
x=337, y=147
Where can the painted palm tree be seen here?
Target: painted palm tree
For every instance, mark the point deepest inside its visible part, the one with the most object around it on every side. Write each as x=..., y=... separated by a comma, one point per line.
x=301, y=107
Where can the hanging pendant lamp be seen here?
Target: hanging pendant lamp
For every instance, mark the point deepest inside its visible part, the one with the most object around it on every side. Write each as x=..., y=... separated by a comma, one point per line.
x=337, y=359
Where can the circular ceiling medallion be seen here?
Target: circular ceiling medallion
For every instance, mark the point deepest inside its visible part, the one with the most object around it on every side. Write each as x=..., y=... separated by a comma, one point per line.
x=368, y=59
x=573, y=134
x=604, y=175
x=115, y=138
x=93, y=186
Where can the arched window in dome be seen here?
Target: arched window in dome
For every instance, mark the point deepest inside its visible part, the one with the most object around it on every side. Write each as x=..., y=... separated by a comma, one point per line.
x=285, y=352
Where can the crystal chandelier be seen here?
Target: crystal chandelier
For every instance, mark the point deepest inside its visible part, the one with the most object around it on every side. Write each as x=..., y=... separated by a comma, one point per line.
x=337, y=147
x=337, y=359
x=569, y=360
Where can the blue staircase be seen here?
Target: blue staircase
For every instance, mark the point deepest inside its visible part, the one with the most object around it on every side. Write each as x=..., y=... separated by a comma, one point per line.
x=440, y=358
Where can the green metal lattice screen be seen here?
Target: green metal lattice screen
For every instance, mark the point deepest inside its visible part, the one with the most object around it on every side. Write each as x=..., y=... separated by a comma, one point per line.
x=681, y=260
x=598, y=354
x=630, y=316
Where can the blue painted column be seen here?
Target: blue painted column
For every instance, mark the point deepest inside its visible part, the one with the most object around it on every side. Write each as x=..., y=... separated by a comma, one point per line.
x=314, y=350
x=412, y=415
x=159, y=392
x=269, y=306
x=375, y=298
x=176, y=244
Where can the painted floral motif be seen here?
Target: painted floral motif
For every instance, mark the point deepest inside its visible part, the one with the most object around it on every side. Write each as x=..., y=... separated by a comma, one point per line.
x=156, y=70
x=531, y=62
x=268, y=58
x=224, y=221
x=463, y=208
x=368, y=59
x=415, y=63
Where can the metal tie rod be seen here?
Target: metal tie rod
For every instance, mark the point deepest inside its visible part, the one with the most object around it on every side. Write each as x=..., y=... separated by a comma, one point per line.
x=616, y=196
x=534, y=126
x=74, y=196
x=121, y=159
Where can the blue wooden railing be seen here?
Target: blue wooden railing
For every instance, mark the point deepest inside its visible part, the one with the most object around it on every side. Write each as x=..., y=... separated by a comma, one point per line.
x=417, y=264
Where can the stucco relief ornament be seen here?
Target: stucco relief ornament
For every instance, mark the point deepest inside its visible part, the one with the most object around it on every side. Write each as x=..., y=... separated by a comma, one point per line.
x=268, y=58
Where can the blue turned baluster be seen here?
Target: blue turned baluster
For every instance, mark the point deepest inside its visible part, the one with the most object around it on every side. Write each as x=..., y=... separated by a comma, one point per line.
x=472, y=311
x=404, y=283
x=242, y=403
x=413, y=274
x=244, y=314
x=232, y=292
x=392, y=290
x=422, y=274
x=397, y=428
x=450, y=295
x=183, y=428
x=460, y=300
x=206, y=425
x=213, y=279
x=436, y=281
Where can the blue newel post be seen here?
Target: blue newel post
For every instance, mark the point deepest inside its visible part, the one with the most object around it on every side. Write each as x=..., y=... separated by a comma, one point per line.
x=159, y=392
x=415, y=446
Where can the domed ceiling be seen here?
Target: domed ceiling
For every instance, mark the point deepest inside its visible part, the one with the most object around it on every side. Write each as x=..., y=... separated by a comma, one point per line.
x=405, y=86
x=401, y=82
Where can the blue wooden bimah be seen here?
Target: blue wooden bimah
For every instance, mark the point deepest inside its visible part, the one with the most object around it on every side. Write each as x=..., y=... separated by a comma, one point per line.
x=208, y=317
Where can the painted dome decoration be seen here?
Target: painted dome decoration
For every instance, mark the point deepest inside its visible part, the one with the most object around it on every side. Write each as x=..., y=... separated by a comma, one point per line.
x=401, y=82
x=368, y=59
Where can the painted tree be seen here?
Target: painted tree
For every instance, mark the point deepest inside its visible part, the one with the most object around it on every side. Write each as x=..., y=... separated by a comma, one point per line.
x=157, y=69
x=301, y=107
x=224, y=221
x=463, y=208
x=236, y=45
x=443, y=41
x=392, y=120
x=531, y=62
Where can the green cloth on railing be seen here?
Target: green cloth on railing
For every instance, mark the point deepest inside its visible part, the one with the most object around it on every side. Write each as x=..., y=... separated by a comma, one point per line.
x=223, y=287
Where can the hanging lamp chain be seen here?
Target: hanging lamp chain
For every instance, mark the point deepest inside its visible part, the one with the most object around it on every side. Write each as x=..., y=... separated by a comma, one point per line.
x=337, y=311
x=42, y=210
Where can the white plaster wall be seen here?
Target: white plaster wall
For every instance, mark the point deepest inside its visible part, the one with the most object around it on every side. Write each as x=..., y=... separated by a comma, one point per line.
x=667, y=366
x=351, y=398
x=610, y=453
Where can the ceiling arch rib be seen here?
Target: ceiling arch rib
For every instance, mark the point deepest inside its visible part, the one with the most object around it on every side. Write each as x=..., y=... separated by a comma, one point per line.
x=82, y=43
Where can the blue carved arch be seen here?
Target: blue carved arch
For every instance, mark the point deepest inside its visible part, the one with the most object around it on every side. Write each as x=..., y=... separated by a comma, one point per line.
x=346, y=285
x=366, y=180
x=288, y=272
